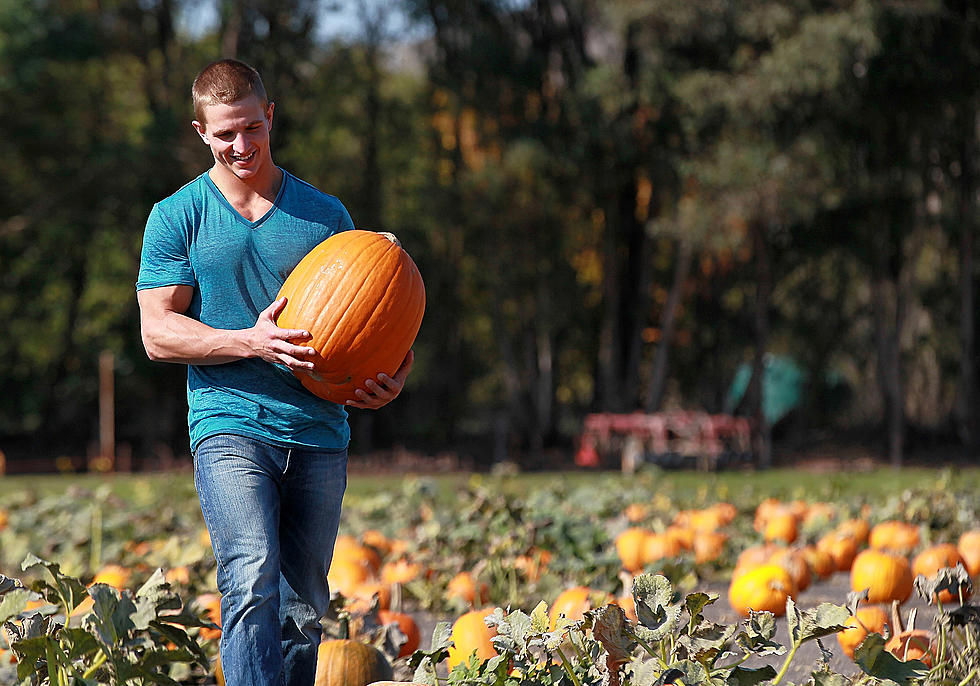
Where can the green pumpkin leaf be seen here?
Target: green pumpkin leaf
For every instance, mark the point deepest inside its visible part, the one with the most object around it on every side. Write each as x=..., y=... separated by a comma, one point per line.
x=66, y=590
x=609, y=628
x=442, y=636
x=540, y=621
x=709, y=643
x=823, y=620
x=695, y=604
x=743, y=676
x=14, y=602
x=652, y=595
x=827, y=678
x=691, y=673
x=757, y=635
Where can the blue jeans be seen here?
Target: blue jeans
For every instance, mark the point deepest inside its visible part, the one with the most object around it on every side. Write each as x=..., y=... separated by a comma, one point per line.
x=272, y=513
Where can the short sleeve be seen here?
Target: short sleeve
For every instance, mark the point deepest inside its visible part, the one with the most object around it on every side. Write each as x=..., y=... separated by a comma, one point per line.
x=164, y=258
x=346, y=223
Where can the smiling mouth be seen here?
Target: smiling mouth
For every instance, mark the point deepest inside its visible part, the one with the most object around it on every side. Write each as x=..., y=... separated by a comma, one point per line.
x=243, y=158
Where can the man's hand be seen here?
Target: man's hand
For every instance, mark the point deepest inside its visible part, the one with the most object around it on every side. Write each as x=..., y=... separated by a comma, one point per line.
x=275, y=345
x=379, y=393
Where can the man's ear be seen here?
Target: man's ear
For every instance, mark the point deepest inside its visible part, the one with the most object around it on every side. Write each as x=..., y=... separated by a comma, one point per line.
x=268, y=113
x=201, y=131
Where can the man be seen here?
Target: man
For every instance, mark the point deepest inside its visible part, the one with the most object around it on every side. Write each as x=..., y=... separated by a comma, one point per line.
x=270, y=459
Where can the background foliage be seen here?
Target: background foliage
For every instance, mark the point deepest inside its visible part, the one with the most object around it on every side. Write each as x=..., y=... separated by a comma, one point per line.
x=614, y=205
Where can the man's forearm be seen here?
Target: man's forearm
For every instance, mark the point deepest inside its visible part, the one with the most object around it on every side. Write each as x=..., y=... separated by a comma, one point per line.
x=181, y=339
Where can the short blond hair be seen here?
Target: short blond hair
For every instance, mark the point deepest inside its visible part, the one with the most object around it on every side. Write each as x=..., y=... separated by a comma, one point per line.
x=224, y=82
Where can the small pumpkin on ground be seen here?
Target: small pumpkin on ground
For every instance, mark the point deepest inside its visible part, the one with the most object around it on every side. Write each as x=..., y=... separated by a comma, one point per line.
x=842, y=549
x=407, y=625
x=709, y=546
x=939, y=556
x=794, y=562
x=762, y=588
x=574, y=602
x=346, y=662
x=660, y=546
x=968, y=546
x=895, y=536
x=871, y=619
x=913, y=645
x=782, y=527
x=470, y=634
x=467, y=588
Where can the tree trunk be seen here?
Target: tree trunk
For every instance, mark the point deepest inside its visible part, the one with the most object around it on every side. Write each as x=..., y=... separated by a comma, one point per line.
x=762, y=444
x=668, y=321
x=887, y=316
x=966, y=405
x=231, y=29
x=609, y=396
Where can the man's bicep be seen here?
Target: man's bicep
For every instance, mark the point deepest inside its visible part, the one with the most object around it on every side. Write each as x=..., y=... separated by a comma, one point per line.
x=156, y=303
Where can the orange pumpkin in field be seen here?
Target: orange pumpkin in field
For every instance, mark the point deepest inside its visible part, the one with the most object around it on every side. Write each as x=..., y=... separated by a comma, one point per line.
x=794, y=562
x=361, y=297
x=574, y=602
x=968, y=546
x=936, y=557
x=764, y=587
x=887, y=576
x=630, y=546
x=915, y=644
x=868, y=620
x=893, y=535
x=469, y=589
x=470, y=634
x=841, y=548
x=407, y=625
x=781, y=527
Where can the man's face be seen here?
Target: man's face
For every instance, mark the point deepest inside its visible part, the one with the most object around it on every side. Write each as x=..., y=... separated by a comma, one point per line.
x=238, y=135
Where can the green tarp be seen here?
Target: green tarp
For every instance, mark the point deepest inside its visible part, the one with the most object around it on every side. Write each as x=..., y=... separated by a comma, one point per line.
x=782, y=387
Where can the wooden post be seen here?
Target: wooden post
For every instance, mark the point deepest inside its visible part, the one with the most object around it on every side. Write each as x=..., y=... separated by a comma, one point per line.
x=107, y=411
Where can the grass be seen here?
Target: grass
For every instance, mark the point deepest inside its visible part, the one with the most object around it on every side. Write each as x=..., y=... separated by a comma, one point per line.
x=684, y=486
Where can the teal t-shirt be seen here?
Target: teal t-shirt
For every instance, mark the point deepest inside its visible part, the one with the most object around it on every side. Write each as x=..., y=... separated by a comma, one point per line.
x=196, y=238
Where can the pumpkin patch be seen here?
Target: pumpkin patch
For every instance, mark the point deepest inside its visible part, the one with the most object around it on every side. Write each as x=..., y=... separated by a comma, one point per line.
x=404, y=563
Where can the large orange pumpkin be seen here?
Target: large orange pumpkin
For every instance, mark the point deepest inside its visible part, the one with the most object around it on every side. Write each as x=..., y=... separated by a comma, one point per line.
x=361, y=297
x=887, y=576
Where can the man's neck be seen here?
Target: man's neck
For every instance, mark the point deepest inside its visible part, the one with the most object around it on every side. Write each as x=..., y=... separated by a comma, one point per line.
x=251, y=198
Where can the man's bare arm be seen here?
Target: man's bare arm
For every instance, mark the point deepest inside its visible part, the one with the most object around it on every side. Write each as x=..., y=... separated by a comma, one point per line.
x=169, y=335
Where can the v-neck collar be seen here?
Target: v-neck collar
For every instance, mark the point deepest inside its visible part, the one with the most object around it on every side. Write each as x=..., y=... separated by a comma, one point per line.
x=238, y=215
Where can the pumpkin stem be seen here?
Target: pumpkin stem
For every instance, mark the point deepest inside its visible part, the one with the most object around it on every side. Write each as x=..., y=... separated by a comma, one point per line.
x=344, y=626
x=396, y=597
x=897, y=627
x=391, y=237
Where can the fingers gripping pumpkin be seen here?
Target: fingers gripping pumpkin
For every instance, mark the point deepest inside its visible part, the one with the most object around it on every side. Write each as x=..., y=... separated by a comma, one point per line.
x=361, y=297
